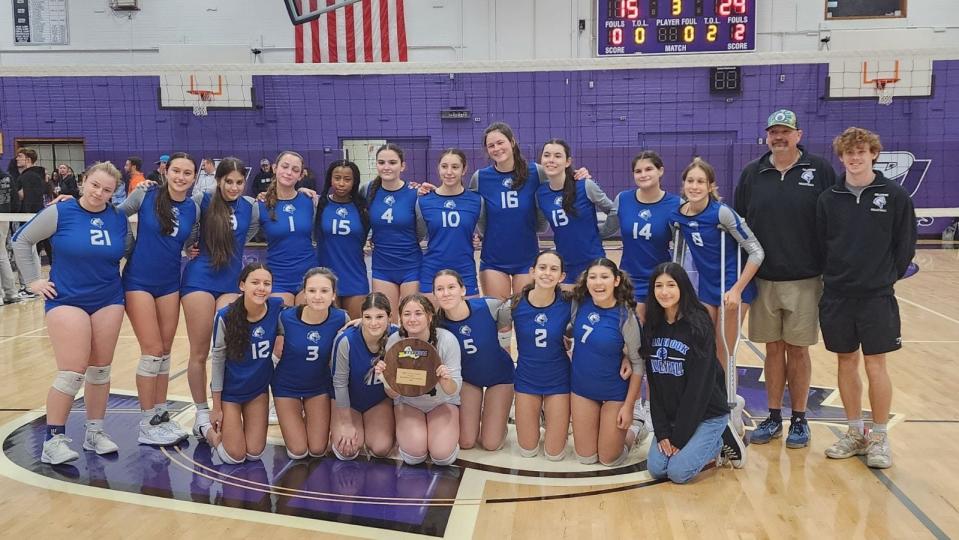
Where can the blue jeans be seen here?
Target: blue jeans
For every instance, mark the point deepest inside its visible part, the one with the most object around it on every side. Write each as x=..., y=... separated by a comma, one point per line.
x=701, y=448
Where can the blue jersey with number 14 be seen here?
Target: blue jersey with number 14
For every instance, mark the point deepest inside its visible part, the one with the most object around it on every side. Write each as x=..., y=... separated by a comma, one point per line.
x=646, y=233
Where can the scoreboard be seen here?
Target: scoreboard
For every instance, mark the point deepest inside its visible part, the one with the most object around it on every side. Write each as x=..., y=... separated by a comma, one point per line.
x=627, y=27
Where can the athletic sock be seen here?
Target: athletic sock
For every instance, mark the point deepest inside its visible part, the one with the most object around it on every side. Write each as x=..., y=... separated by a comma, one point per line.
x=799, y=416
x=879, y=428
x=94, y=425
x=54, y=430
x=858, y=425
x=776, y=415
x=147, y=415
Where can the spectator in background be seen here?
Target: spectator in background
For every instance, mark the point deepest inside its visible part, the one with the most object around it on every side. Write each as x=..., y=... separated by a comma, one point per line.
x=30, y=187
x=263, y=177
x=206, y=179
x=134, y=169
x=307, y=180
x=68, y=181
x=159, y=175
x=8, y=202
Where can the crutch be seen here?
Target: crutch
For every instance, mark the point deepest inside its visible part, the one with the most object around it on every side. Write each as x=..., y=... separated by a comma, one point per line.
x=730, y=353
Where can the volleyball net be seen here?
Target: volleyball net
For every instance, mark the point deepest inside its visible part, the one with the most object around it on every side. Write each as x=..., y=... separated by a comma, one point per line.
x=711, y=106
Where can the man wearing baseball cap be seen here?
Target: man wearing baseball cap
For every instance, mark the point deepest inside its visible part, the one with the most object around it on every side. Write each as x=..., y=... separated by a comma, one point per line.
x=777, y=195
x=159, y=175
x=263, y=177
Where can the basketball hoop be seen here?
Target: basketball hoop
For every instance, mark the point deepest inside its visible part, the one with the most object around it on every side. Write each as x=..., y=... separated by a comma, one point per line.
x=883, y=91
x=199, y=108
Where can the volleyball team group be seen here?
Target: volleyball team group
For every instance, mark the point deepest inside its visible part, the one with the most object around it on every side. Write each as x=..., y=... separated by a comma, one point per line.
x=310, y=328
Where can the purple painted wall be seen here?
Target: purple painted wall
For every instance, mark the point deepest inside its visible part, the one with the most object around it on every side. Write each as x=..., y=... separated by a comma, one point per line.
x=606, y=122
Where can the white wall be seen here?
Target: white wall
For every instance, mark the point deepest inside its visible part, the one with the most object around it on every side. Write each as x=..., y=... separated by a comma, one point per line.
x=438, y=30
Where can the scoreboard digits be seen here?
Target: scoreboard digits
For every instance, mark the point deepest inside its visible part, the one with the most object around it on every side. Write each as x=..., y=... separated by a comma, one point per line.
x=675, y=26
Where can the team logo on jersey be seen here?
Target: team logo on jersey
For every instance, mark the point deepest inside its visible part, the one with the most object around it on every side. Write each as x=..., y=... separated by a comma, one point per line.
x=508, y=183
x=541, y=319
x=389, y=200
x=313, y=336
x=807, y=176
x=175, y=211
x=466, y=330
x=879, y=202
x=593, y=317
x=96, y=222
x=289, y=208
x=694, y=224
x=342, y=212
x=662, y=353
x=449, y=204
x=558, y=201
x=645, y=214
x=259, y=332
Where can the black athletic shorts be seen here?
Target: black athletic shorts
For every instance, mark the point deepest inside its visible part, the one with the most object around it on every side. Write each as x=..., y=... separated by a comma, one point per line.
x=848, y=323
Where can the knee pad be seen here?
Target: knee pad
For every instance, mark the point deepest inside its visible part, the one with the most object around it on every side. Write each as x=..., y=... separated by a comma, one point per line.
x=164, y=365
x=149, y=366
x=254, y=457
x=587, y=460
x=620, y=460
x=315, y=455
x=447, y=460
x=341, y=457
x=531, y=453
x=412, y=460
x=68, y=382
x=98, y=375
x=225, y=456
x=291, y=455
x=559, y=457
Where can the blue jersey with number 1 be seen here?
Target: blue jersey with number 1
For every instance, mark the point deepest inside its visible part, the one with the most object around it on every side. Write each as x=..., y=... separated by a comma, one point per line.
x=289, y=241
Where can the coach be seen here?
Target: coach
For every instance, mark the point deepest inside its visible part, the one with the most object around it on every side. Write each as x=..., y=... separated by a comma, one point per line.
x=777, y=195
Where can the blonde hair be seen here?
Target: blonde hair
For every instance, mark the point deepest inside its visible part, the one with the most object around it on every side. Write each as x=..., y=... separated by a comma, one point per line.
x=104, y=167
x=854, y=137
x=703, y=165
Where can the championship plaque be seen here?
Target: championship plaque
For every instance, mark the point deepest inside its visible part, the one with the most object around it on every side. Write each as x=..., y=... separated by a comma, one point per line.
x=411, y=367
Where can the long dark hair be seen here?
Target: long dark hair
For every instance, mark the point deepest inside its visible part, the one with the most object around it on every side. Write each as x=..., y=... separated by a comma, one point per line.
x=270, y=199
x=560, y=293
x=358, y=201
x=440, y=312
x=427, y=307
x=689, y=305
x=236, y=325
x=378, y=182
x=520, y=167
x=378, y=300
x=216, y=230
x=623, y=293
x=569, y=182
x=164, y=203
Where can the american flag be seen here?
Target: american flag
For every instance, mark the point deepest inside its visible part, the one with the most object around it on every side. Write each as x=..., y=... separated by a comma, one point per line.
x=365, y=31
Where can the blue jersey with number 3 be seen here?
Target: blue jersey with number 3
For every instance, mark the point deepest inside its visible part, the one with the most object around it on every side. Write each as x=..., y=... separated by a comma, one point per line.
x=304, y=367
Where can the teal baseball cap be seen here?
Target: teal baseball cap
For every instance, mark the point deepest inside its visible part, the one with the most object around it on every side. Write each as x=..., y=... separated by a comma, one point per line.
x=782, y=117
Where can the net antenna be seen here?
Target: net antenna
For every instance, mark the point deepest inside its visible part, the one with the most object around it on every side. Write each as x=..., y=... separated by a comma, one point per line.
x=883, y=85
x=204, y=96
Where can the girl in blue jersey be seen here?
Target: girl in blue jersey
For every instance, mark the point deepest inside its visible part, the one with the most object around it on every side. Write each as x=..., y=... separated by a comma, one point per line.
x=286, y=219
x=363, y=415
x=540, y=314
x=227, y=221
x=301, y=382
x=396, y=250
x=427, y=425
x=165, y=218
x=84, y=304
x=642, y=217
x=703, y=221
x=687, y=388
x=342, y=223
x=242, y=366
x=487, y=392
x=605, y=330
x=448, y=217
x=570, y=209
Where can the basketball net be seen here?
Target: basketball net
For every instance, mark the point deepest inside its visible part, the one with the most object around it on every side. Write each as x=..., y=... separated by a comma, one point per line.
x=199, y=108
x=883, y=91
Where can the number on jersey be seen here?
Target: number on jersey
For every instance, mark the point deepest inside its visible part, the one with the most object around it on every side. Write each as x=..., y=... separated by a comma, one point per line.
x=469, y=346
x=388, y=215
x=697, y=238
x=341, y=227
x=260, y=350
x=509, y=199
x=646, y=232
x=559, y=218
x=99, y=237
x=587, y=330
x=312, y=353
x=539, y=338
x=451, y=219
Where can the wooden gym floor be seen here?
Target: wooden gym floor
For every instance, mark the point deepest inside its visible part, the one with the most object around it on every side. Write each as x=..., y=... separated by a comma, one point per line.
x=779, y=494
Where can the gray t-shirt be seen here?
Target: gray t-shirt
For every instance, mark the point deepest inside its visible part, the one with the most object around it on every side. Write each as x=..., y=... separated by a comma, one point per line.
x=449, y=350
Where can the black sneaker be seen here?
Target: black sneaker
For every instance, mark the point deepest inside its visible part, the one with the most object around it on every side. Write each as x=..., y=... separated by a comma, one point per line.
x=734, y=450
x=24, y=293
x=12, y=299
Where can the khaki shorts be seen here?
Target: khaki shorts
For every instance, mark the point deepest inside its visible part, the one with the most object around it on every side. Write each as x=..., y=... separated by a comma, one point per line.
x=786, y=311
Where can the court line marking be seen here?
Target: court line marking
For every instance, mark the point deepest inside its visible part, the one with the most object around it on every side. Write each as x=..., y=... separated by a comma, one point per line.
x=924, y=308
x=910, y=505
x=25, y=334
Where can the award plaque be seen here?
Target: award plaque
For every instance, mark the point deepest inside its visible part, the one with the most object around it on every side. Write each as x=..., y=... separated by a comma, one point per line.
x=411, y=367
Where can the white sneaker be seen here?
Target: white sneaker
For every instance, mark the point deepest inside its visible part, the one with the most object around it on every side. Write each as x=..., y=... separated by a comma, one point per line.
x=273, y=418
x=97, y=440
x=200, y=429
x=172, y=426
x=156, y=435
x=878, y=453
x=736, y=416
x=641, y=422
x=57, y=450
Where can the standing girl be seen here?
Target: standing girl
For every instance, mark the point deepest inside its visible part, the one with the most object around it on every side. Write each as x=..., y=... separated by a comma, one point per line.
x=286, y=219
x=687, y=387
x=342, y=223
x=570, y=208
x=396, y=251
x=706, y=224
x=428, y=425
x=448, y=216
x=228, y=220
x=151, y=279
x=642, y=217
x=487, y=391
x=242, y=358
x=84, y=304
x=363, y=415
x=605, y=330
